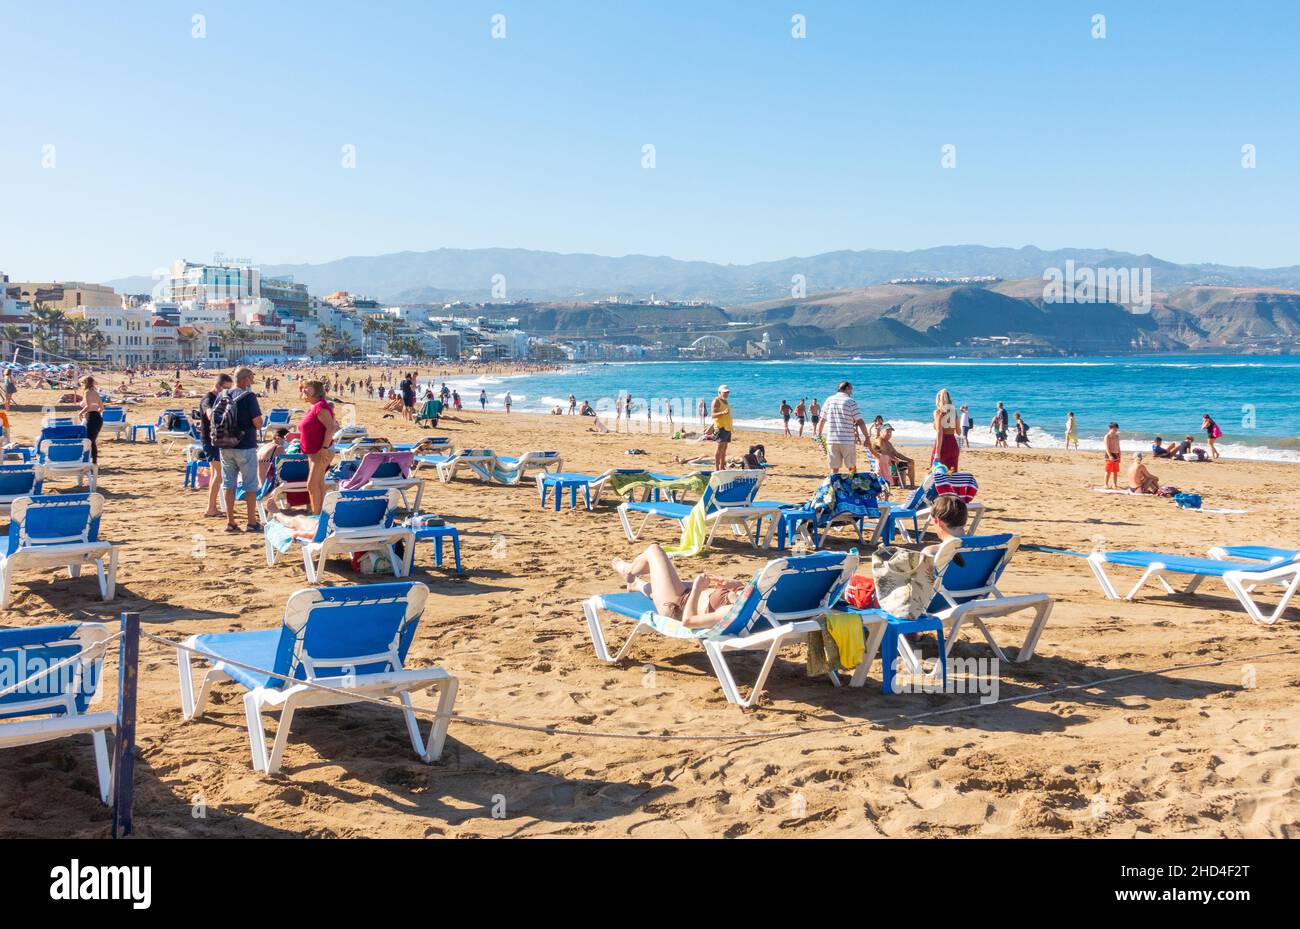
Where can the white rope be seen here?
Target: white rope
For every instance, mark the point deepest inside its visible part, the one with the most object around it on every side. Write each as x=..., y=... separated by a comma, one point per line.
x=735, y=737
x=80, y=656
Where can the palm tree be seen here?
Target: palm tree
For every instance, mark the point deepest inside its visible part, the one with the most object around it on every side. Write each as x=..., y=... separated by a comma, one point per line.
x=186, y=339
x=369, y=326
x=236, y=335
x=327, y=338
x=12, y=335
x=95, y=342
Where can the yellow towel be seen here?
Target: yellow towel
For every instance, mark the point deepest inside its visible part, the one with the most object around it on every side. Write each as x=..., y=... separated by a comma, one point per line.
x=846, y=630
x=694, y=532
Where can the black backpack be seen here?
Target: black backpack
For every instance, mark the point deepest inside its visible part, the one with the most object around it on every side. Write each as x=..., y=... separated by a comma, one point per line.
x=225, y=418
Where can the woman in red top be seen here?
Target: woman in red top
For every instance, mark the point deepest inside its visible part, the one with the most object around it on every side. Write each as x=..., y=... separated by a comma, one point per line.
x=316, y=434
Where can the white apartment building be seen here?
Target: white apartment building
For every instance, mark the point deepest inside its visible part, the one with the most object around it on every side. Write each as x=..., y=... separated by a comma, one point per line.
x=130, y=335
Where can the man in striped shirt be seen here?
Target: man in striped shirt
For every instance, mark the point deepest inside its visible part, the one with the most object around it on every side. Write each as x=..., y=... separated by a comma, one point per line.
x=842, y=422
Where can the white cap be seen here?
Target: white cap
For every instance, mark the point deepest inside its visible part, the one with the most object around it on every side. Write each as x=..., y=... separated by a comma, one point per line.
x=724, y=389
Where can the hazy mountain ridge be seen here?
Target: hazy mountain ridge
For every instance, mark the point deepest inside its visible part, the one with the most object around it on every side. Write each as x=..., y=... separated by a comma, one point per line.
x=443, y=275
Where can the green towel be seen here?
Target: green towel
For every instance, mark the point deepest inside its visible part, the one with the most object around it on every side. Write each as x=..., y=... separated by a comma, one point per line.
x=624, y=484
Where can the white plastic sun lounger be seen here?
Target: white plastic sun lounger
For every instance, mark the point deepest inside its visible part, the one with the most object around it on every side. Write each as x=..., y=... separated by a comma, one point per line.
x=1241, y=577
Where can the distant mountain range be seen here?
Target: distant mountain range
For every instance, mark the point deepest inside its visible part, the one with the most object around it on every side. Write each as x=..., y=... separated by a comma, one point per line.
x=446, y=274
x=930, y=318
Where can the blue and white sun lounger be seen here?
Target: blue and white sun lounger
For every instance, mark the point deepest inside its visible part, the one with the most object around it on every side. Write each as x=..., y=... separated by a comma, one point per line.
x=786, y=599
x=1241, y=577
x=511, y=471
x=966, y=590
x=728, y=500
x=57, y=530
x=19, y=480
x=916, y=513
x=68, y=457
x=355, y=521
x=478, y=460
x=115, y=421
x=353, y=640
x=174, y=426
x=276, y=418
x=1255, y=553
x=60, y=698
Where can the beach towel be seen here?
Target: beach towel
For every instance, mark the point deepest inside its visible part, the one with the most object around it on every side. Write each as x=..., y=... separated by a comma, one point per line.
x=624, y=482
x=857, y=495
x=839, y=645
x=694, y=532
x=961, y=484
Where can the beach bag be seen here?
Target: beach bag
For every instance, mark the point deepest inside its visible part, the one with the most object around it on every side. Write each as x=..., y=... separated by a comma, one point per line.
x=904, y=581
x=1216, y=432
x=225, y=418
x=175, y=422
x=861, y=592
x=1188, y=501
x=372, y=563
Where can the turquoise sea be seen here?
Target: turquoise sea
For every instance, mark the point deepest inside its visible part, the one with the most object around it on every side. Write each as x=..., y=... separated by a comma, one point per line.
x=1255, y=399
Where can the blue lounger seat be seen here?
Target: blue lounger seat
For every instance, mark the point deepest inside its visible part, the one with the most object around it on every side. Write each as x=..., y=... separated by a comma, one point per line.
x=1241, y=577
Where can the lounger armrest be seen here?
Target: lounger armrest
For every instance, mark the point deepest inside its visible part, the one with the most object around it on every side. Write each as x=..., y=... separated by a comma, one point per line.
x=32, y=731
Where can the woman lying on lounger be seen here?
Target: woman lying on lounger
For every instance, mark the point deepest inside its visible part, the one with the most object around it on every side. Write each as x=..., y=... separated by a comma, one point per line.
x=698, y=605
x=302, y=528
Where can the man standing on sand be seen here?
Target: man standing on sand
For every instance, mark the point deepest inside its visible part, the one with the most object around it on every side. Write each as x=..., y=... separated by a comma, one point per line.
x=1112, y=457
x=721, y=411
x=842, y=422
x=240, y=462
x=212, y=454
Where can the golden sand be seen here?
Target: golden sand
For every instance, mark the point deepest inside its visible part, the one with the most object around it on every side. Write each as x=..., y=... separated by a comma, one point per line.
x=1206, y=749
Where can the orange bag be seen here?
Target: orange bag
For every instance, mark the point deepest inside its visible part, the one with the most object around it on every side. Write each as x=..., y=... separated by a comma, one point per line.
x=861, y=592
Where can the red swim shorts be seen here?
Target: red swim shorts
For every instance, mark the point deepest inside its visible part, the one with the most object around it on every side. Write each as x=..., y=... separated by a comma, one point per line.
x=1112, y=466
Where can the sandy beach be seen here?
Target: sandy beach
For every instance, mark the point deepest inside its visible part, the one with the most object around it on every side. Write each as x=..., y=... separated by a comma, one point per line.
x=1169, y=716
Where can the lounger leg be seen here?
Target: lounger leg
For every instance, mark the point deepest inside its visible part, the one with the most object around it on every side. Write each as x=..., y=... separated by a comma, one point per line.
x=102, y=769
x=5, y=580
x=1151, y=571
x=281, y=737
x=875, y=635
x=431, y=750
x=988, y=637
x=108, y=576
x=723, y=673
x=627, y=525
x=591, y=609
x=730, y=688
x=1096, y=561
x=1041, y=614
x=256, y=732
x=1236, y=582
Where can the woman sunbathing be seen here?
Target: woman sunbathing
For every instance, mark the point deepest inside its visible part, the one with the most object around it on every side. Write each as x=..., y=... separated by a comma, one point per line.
x=302, y=528
x=698, y=605
x=1140, y=480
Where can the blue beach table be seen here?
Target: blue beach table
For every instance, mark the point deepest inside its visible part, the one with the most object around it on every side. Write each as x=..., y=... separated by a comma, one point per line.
x=558, y=482
x=436, y=534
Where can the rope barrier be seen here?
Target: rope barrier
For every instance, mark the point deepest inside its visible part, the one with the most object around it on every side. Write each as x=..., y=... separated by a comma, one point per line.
x=711, y=737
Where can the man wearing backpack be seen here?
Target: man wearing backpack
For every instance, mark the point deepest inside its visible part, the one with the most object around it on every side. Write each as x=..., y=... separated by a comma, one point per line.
x=236, y=419
x=212, y=454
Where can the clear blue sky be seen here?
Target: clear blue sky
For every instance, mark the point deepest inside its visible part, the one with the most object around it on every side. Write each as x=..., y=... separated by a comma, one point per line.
x=767, y=146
